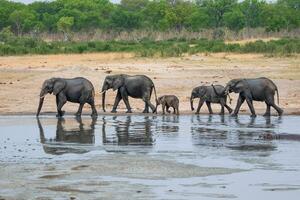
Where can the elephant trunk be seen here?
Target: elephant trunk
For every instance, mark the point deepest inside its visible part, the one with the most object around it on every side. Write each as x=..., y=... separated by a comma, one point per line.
x=191, y=100
x=42, y=97
x=40, y=106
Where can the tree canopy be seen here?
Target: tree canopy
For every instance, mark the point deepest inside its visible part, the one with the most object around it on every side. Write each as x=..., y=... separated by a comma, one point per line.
x=49, y=16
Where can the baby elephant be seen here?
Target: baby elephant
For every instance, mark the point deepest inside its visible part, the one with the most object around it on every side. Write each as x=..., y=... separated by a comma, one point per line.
x=210, y=94
x=168, y=101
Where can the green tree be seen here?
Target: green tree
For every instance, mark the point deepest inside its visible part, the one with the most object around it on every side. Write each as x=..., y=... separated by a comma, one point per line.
x=234, y=20
x=252, y=10
x=216, y=10
x=64, y=25
x=22, y=20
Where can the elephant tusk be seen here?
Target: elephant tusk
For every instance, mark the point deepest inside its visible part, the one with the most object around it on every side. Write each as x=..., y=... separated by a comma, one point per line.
x=43, y=96
x=102, y=92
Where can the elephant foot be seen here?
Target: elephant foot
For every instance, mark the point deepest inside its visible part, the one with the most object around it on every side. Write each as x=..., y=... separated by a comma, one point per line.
x=221, y=113
x=113, y=111
x=267, y=114
x=78, y=114
x=145, y=111
x=94, y=114
x=280, y=112
x=128, y=111
x=196, y=113
x=211, y=113
x=60, y=114
x=234, y=115
x=253, y=115
x=230, y=111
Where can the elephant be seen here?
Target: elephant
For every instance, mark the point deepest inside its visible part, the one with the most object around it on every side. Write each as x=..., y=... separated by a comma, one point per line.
x=209, y=94
x=128, y=131
x=69, y=138
x=76, y=90
x=256, y=89
x=137, y=86
x=168, y=101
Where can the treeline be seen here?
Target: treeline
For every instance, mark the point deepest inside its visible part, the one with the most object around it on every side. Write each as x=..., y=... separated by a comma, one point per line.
x=68, y=16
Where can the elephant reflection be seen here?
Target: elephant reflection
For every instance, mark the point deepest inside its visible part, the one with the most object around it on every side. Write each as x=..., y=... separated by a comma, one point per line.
x=68, y=140
x=128, y=132
x=207, y=130
x=231, y=133
x=169, y=124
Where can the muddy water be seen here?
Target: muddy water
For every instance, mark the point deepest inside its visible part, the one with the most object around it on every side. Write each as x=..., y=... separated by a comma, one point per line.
x=148, y=157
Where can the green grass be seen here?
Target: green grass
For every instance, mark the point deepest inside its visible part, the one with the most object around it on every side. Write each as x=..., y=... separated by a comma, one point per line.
x=12, y=45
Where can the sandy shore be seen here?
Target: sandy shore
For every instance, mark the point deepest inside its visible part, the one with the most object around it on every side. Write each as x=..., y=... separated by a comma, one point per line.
x=21, y=77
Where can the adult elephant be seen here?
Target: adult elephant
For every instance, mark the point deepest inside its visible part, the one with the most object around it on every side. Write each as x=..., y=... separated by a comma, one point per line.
x=210, y=94
x=257, y=89
x=76, y=90
x=138, y=86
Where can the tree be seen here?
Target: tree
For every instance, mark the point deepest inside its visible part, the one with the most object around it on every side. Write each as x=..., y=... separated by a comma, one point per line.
x=234, y=20
x=64, y=25
x=22, y=20
x=216, y=10
x=252, y=10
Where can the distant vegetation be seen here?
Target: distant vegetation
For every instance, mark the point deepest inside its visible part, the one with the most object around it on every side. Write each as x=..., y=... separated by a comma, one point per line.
x=84, y=15
x=14, y=45
x=178, y=26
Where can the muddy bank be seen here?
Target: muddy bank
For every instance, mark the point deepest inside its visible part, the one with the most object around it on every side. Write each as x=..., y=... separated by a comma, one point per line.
x=22, y=76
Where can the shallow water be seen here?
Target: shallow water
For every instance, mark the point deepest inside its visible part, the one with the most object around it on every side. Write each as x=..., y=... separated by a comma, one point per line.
x=250, y=167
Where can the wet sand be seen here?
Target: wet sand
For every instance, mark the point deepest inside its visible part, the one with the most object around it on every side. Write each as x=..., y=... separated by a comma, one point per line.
x=21, y=77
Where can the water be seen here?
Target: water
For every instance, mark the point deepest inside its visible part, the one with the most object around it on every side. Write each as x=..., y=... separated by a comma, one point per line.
x=150, y=157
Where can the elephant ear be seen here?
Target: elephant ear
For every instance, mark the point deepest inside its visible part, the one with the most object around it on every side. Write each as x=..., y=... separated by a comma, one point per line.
x=239, y=86
x=202, y=91
x=58, y=86
x=118, y=82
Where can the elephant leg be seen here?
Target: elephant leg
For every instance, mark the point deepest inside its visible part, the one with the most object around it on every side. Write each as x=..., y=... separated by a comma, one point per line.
x=125, y=99
x=153, y=108
x=92, y=104
x=177, y=109
x=209, y=107
x=250, y=105
x=268, y=110
x=279, y=110
x=163, y=108
x=174, y=110
x=146, y=110
x=222, y=103
x=60, y=102
x=79, y=111
x=168, y=107
x=146, y=99
x=228, y=108
x=117, y=101
x=271, y=102
x=200, y=104
x=238, y=105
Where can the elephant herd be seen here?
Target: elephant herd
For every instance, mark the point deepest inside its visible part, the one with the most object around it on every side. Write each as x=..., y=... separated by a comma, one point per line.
x=80, y=90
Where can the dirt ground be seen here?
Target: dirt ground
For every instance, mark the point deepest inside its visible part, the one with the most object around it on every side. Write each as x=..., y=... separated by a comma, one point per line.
x=21, y=77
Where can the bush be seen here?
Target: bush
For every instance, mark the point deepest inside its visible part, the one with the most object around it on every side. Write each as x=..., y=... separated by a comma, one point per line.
x=12, y=45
